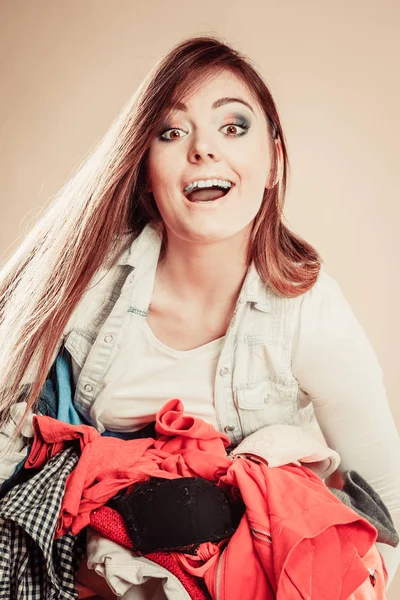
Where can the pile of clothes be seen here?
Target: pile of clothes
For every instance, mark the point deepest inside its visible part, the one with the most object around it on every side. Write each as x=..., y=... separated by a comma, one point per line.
x=172, y=513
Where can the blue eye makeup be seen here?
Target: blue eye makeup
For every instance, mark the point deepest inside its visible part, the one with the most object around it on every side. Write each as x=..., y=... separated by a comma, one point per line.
x=243, y=123
x=238, y=121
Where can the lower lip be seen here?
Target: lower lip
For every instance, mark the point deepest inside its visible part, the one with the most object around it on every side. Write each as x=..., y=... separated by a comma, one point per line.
x=208, y=203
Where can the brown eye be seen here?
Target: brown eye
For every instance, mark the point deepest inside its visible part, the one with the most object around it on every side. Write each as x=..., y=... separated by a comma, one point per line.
x=232, y=129
x=165, y=136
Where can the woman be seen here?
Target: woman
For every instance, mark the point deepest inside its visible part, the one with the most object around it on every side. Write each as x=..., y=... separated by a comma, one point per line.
x=166, y=270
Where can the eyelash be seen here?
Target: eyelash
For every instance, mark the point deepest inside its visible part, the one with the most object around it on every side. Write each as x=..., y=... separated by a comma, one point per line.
x=243, y=124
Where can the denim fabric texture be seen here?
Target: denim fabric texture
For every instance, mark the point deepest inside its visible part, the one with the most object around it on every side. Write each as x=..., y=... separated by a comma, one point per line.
x=254, y=384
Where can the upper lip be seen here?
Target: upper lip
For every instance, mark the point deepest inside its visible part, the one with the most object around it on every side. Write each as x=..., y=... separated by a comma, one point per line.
x=205, y=177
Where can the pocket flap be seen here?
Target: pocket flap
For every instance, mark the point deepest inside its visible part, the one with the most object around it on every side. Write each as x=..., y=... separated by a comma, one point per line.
x=258, y=395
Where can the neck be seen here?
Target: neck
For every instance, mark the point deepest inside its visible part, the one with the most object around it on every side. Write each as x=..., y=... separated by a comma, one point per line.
x=207, y=273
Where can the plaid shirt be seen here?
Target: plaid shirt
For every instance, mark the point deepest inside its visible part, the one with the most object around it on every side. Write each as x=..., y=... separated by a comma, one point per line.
x=34, y=566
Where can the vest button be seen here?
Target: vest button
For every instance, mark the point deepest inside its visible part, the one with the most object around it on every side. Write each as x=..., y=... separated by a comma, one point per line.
x=88, y=388
x=224, y=371
x=229, y=429
x=109, y=338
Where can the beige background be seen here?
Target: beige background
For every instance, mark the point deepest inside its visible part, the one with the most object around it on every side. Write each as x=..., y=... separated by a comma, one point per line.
x=68, y=67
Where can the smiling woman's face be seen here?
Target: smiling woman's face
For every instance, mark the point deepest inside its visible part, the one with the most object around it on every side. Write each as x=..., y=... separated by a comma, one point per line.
x=229, y=142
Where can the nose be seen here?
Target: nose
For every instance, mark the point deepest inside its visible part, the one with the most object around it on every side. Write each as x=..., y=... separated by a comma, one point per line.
x=203, y=150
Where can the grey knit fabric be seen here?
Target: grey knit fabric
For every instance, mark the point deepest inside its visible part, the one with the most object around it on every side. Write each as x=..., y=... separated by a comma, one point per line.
x=363, y=499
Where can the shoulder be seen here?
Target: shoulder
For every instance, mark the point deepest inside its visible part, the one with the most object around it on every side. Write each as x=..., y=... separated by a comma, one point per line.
x=325, y=305
x=325, y=286
x=328, y=327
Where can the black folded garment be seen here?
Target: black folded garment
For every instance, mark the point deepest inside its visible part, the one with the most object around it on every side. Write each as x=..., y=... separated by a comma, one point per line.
x=177, y=514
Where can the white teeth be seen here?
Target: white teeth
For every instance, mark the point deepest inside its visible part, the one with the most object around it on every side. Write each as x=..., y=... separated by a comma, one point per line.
x=202, y=183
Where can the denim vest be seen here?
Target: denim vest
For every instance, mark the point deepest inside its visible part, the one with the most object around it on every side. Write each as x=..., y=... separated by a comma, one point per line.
x=254, y=384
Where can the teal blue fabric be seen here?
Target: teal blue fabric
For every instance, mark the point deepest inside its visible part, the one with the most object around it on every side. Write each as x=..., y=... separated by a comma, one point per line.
x=56, y=401
x=66, y=410
x=56, y=396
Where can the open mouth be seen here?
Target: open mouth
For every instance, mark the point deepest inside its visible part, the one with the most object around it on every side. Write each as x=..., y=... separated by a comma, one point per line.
x=209, y=194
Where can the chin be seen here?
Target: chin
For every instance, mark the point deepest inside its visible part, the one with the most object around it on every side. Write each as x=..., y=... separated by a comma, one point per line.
x=211, y=235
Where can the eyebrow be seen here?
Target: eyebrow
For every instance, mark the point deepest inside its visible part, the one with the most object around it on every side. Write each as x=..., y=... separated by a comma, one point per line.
x=216, y=104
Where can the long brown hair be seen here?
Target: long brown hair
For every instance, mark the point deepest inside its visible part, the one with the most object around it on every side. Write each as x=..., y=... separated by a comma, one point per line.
x=104, y=206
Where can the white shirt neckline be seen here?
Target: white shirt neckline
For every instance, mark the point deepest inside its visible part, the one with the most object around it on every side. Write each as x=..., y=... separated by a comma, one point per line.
x=174, y=352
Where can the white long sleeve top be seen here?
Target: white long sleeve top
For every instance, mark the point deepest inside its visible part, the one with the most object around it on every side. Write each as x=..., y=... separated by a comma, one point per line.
x=337, y=367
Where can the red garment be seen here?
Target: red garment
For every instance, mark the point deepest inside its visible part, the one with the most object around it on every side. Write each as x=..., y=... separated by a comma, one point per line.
x=374, y=587
x=295, y=540
x=52, y=436
x=193, y=585
x=185, y=447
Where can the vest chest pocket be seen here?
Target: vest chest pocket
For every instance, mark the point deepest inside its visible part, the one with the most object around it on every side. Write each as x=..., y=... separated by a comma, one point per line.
x=266, y=402
x=79, y=345
x=82, y=337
